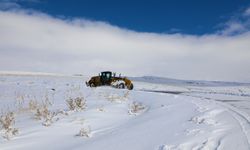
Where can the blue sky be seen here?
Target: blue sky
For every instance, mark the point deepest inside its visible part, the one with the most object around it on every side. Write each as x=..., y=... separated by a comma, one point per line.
x=195, y=40
x=162, y=16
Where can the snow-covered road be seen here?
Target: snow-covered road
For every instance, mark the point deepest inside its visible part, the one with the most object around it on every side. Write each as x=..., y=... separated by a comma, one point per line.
x=196, y=117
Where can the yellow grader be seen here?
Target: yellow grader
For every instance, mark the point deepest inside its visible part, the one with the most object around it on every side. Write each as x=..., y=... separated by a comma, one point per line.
x=109, y=79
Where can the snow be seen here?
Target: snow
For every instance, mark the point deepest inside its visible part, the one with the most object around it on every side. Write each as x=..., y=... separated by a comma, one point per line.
x=207, y=116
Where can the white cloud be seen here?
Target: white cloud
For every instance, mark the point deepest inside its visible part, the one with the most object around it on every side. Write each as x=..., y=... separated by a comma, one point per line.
x=234, y=27
x=37, y=42
x=238, y=24
x=4, y=5
x=14, y=4
x=247, y=12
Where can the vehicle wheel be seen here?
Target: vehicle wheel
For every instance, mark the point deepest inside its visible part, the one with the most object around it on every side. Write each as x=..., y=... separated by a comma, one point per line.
x=121, y=86
x=92, y=85
x=131, y=87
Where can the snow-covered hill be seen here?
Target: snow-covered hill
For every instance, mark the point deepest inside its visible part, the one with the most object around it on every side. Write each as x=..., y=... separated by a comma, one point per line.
x=60, y=112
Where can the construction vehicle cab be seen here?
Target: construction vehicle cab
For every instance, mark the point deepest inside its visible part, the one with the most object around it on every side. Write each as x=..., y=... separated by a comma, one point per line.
x=106, y=77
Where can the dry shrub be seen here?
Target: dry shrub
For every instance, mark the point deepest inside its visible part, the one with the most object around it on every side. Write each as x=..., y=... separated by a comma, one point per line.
x=101, y=109
x=7, y=121
x=28, y=102
x=44, y=114
x=71, y=104
x=78, y=103
x=126, y=94
x=20, y=102
x=33, y=105
x=116, y=97
x=46, y=100
x=136, y=108
x=62, y=112
x=84, y=132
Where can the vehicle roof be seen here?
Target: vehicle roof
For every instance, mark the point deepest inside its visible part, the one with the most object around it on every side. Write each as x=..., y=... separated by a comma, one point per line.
x=106, y=72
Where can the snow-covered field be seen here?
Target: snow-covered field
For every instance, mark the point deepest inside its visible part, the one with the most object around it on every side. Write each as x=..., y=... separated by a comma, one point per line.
x=151, y=117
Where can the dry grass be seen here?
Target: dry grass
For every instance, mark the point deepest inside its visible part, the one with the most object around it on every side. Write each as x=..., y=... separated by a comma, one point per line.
x=41, y=110
x=44, y=114
x=62, y=112
x=78, y=103
x=114, y=97
x=7, y=121
x=33, y=105
x=71, y=104
x=101, y=109
x=28, y=102
x=20, y=102
x=84, y=132
x=46, y=100
x=126, y=94
x=136, y=108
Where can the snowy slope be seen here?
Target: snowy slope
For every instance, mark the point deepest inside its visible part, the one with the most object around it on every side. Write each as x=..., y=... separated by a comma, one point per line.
x=199, y=117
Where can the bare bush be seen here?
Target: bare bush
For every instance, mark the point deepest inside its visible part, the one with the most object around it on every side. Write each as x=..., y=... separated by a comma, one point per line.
x=84, y=132
x=101, y=109
x=79, y=103
x=136, y=108
x=62, y=112
x=47, y=100
x=126, y=94
x=44, y=114
x=27, y=102
x=116, y=97
x=20, y=102
x=71, y=104
x=33, y=105
x=7, y=121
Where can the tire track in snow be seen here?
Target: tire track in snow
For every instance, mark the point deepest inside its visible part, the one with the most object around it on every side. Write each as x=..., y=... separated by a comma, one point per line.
x=236, y=114
x=207, y=143
x=241, y=118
